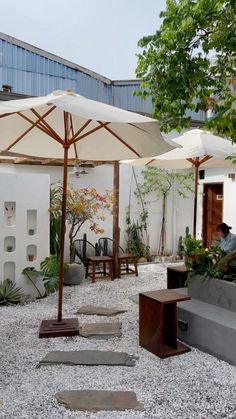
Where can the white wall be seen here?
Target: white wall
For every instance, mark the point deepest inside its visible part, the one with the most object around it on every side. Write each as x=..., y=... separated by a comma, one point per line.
x=25, y=192
x=179, y=211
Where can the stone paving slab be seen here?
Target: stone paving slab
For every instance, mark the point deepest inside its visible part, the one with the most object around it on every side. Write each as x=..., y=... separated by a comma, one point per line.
x=97, y=400
x=99, y=311
x=100, y=330
x=89, y=357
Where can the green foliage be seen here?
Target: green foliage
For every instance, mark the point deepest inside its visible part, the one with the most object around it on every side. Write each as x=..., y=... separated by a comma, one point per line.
x=160, y=182
x=10, y=294
x=135, y=241
x=190, y=64
x=204, y=262
x=55, y=222
x=49, y=271
x=33, y=275
x=190, y=245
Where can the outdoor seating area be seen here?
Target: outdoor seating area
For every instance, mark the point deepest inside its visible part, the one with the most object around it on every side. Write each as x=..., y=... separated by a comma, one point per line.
x=98, y=259
x=159, y=384
x=117, y=210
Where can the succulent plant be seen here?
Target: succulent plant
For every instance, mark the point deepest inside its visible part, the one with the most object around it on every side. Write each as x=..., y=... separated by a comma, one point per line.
x=10, y=294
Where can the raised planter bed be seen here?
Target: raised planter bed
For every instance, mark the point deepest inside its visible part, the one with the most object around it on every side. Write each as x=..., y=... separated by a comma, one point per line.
x=214, y=291
x=208, y=320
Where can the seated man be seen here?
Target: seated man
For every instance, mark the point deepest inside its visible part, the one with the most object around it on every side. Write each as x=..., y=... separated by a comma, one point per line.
x=228, y=240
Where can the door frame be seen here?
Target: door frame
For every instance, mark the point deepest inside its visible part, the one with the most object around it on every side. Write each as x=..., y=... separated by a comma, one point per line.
x=205, y=185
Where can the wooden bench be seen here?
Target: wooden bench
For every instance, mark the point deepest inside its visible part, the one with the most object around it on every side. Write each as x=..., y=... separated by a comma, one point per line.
x=96, y=261
x=176, y=276
x=125, y=259
x=158, y=322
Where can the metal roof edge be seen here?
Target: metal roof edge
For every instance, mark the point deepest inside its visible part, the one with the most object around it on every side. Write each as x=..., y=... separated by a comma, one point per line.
x=54, y=57
x=12, y=95
x=125, y=82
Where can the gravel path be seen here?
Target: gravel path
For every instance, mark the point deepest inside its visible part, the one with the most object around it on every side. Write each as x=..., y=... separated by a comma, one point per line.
x=194, y=385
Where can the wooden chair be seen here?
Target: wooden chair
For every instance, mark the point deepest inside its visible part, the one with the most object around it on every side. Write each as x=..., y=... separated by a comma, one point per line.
x=106, y=246
x=84, y=249
x=124, y=259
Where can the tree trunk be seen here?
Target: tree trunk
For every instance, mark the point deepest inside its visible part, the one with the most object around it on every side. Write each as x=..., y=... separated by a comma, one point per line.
x=162, y=242
x=72, y=247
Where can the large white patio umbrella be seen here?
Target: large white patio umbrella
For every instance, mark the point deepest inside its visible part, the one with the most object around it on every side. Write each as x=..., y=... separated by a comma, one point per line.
x=66, y=125
x=199, y=148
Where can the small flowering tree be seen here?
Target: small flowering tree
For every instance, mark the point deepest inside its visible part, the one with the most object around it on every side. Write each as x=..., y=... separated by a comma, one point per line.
x=83, y=205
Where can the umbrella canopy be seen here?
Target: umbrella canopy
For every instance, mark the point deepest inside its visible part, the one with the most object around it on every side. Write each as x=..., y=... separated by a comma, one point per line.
x=66, y=125
x=199, y=148
x=95, y=131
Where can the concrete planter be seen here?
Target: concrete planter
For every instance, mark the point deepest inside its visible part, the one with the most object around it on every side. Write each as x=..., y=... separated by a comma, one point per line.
x=208, y=320
x=213, y=291
x=75, y=274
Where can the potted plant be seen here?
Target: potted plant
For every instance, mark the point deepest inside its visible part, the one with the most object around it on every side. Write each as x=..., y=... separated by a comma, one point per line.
x=9, y=248
x=30, y=258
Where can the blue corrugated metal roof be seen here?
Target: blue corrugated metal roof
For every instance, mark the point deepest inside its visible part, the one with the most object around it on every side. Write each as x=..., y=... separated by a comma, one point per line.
x=34, y=72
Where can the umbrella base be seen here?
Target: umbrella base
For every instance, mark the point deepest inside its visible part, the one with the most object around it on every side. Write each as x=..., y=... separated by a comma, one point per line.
x=55, y=329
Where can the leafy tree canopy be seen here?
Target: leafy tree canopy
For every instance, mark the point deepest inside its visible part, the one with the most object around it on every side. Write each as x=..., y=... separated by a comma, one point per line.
x=190, y=64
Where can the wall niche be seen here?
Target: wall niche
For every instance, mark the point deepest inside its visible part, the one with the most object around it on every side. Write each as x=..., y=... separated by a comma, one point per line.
x=10, y=213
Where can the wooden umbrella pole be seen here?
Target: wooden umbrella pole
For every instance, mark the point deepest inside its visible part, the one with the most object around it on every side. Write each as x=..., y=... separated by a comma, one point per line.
x=116, y=185
x=62, y=233
x=196, y=172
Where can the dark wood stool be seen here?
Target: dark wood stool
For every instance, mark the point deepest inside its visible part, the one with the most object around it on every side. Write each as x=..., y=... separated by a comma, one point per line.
x=126, y=259
x=176, y=276
x=158, y=322
x=94, y=262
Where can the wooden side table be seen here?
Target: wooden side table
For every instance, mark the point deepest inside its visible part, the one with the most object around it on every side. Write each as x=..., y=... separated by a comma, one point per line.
x=126, y=259
x=158, y=322
x=176, y=276
x=94, y=262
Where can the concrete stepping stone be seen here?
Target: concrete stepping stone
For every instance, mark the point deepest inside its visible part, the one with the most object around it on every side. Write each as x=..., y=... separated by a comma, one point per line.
x=89, y=357
x=100, y=330
x=134, y=298
x=99, y=311
x=97, y=400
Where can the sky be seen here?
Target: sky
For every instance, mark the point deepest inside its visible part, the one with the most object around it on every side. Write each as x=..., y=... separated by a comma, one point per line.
x=100, y=35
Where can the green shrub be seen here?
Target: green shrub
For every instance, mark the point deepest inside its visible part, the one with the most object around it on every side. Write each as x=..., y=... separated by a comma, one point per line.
x=10, y=294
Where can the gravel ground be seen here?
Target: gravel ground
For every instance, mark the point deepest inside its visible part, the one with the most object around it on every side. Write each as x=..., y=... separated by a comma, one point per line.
x=193, y=385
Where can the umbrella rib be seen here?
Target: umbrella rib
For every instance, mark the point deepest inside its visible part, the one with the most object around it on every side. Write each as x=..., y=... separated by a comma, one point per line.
x=135, y=126
x=150, y=161
x=74, y=137
x=73, y=133
x=34, y=124
x=120, y=139
x=103, y=125
x=38, y=125
x=7, y=114
x=50, y=129
x=192, y=161
x=204, y=159
x=197, y=160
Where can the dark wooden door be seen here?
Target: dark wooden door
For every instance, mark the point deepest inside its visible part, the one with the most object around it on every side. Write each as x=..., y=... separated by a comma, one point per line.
x=212, y=211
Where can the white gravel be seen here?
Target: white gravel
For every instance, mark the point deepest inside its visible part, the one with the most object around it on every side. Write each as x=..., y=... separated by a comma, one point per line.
x=195, y=385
